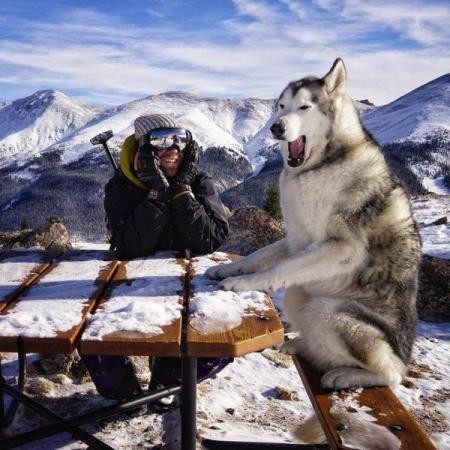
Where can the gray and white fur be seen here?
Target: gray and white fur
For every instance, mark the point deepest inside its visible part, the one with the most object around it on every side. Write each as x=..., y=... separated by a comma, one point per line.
x=349, y=262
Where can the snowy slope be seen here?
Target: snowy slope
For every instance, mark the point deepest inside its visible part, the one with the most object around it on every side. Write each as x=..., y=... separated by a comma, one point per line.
x=413, y=115
x=213, y=122
x=29, y=125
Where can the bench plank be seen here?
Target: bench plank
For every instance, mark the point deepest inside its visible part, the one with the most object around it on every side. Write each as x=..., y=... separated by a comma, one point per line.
x=384, y=406
x=20, y=269
x=49, y=315
x=149, y=288
x=260, y=326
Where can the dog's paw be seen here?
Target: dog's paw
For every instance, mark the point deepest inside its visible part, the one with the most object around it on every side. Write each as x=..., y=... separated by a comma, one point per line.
x=238, y=284
x=336, y=378
x=348, y=377
x=221, y=271
x=291, y=347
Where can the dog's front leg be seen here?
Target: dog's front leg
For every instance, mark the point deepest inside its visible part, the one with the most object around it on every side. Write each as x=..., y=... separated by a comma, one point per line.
x=257, y=261
x=316, y=263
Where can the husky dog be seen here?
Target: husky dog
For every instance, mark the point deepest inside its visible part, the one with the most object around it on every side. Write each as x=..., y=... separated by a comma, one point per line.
x=350, y=260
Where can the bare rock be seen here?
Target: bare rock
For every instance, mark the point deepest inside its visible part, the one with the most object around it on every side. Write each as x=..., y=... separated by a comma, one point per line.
x=251, y=228
x=278, y=358
x=440, y=221
x=433, y=301
x=141, y=368
x=282, y=393
x=39, y=386
x=69, y=364
x=51, y=236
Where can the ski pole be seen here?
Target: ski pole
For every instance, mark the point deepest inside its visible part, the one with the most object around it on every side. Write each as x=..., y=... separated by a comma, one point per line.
x=102, y=138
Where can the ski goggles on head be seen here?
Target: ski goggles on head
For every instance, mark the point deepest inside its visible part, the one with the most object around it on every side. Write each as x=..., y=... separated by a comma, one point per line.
x=164, y=139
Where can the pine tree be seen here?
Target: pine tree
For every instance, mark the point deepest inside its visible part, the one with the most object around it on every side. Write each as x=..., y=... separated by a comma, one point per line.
x=272, y=203
x=25, y=223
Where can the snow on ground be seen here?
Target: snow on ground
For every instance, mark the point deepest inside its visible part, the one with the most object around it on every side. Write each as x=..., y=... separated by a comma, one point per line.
x=436, y=185
x=236, y=404
x=435, y=238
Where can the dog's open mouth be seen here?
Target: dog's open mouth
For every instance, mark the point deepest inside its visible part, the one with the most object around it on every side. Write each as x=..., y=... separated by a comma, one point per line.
x=297, y=151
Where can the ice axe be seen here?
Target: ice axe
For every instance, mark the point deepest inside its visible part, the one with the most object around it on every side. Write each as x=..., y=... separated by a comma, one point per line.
x=102, y=138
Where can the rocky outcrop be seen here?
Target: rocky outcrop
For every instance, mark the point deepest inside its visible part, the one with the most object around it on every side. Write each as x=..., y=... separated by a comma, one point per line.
x=51, y=236
x=251, y=228
x=433, y=300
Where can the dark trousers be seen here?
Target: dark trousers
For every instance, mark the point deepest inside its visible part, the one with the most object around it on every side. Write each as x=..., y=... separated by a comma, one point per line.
x=114, y=376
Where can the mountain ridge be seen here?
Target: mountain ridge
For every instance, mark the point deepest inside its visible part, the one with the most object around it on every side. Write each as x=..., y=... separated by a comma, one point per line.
x=65, y=175
x=33, y=123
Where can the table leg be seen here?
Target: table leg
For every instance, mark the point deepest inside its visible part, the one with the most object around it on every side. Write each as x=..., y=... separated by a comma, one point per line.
x=188, y=403
x=7, y=415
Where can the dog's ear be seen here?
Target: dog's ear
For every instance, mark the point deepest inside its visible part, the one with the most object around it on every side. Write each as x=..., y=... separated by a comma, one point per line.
x=335, y=79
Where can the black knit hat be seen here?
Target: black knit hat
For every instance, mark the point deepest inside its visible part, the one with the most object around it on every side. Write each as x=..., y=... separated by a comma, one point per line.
x=144, y=124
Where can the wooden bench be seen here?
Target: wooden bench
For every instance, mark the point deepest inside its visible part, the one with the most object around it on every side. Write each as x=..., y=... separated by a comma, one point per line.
x=95, y=293
x=379, y=402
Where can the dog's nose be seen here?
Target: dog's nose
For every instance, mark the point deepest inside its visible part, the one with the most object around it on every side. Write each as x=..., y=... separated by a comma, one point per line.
x=278, y=129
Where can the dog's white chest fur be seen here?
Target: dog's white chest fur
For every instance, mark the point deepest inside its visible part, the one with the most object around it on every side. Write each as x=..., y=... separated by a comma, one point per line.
x=307, y=210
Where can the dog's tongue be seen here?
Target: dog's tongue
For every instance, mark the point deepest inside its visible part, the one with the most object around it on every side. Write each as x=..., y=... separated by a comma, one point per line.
x=296, y=148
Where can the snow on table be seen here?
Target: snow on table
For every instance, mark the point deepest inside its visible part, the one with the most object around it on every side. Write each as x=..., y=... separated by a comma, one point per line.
x=146, y=300
x=57, y=303
x=16, y=267
x=224, y=323
x=213, y=310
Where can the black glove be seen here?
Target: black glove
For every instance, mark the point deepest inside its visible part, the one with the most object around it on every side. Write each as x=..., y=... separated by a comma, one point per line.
x=189, y=167
x=149, y=172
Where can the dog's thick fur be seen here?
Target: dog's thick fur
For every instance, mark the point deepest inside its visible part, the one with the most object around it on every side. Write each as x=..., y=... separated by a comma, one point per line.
x=350, y=260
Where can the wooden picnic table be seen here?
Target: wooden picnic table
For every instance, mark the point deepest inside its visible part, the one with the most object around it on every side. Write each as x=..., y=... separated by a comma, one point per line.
x=94, y=290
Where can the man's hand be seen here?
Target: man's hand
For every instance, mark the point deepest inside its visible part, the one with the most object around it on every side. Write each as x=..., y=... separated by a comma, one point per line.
x=149, y=172
x=189, y=167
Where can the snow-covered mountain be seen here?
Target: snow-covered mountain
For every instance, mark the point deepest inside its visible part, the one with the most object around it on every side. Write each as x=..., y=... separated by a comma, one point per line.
x=230, y=124
x=414, y=115
x=31, y=124
x=45, y=151
x=50, y=120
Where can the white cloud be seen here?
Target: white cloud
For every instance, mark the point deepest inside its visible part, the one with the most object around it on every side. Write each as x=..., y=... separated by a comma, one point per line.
x=262, y=47
x=421, y=21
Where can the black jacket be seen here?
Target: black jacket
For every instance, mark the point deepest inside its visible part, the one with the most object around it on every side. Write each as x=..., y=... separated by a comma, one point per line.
x=140, y=227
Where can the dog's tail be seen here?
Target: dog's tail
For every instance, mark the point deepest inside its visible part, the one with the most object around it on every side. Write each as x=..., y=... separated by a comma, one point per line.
x=310, y=431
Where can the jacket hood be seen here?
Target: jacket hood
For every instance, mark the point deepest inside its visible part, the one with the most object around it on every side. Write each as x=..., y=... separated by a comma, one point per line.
x=126, y=161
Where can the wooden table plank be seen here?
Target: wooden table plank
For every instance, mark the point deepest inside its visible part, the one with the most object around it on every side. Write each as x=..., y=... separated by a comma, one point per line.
x=20, y=269
x=384, y=406
x=145, y=283
x=70, y=286
x=260, y=327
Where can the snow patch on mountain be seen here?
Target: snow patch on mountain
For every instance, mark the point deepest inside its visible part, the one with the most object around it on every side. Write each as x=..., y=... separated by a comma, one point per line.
x=414, y=115
x=214, y=122
x=30, y=124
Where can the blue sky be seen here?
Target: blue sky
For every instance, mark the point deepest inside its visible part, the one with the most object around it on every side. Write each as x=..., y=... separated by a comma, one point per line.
x=110, y=52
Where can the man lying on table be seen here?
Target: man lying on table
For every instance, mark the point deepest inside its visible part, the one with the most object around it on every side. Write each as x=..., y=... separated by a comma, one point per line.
x=158, y=200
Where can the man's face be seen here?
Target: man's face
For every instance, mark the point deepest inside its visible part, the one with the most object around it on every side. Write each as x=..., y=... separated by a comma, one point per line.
x=170, y=161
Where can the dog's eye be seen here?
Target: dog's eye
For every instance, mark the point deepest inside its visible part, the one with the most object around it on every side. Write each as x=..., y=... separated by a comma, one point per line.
x=304, y=107
x=281, y=106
